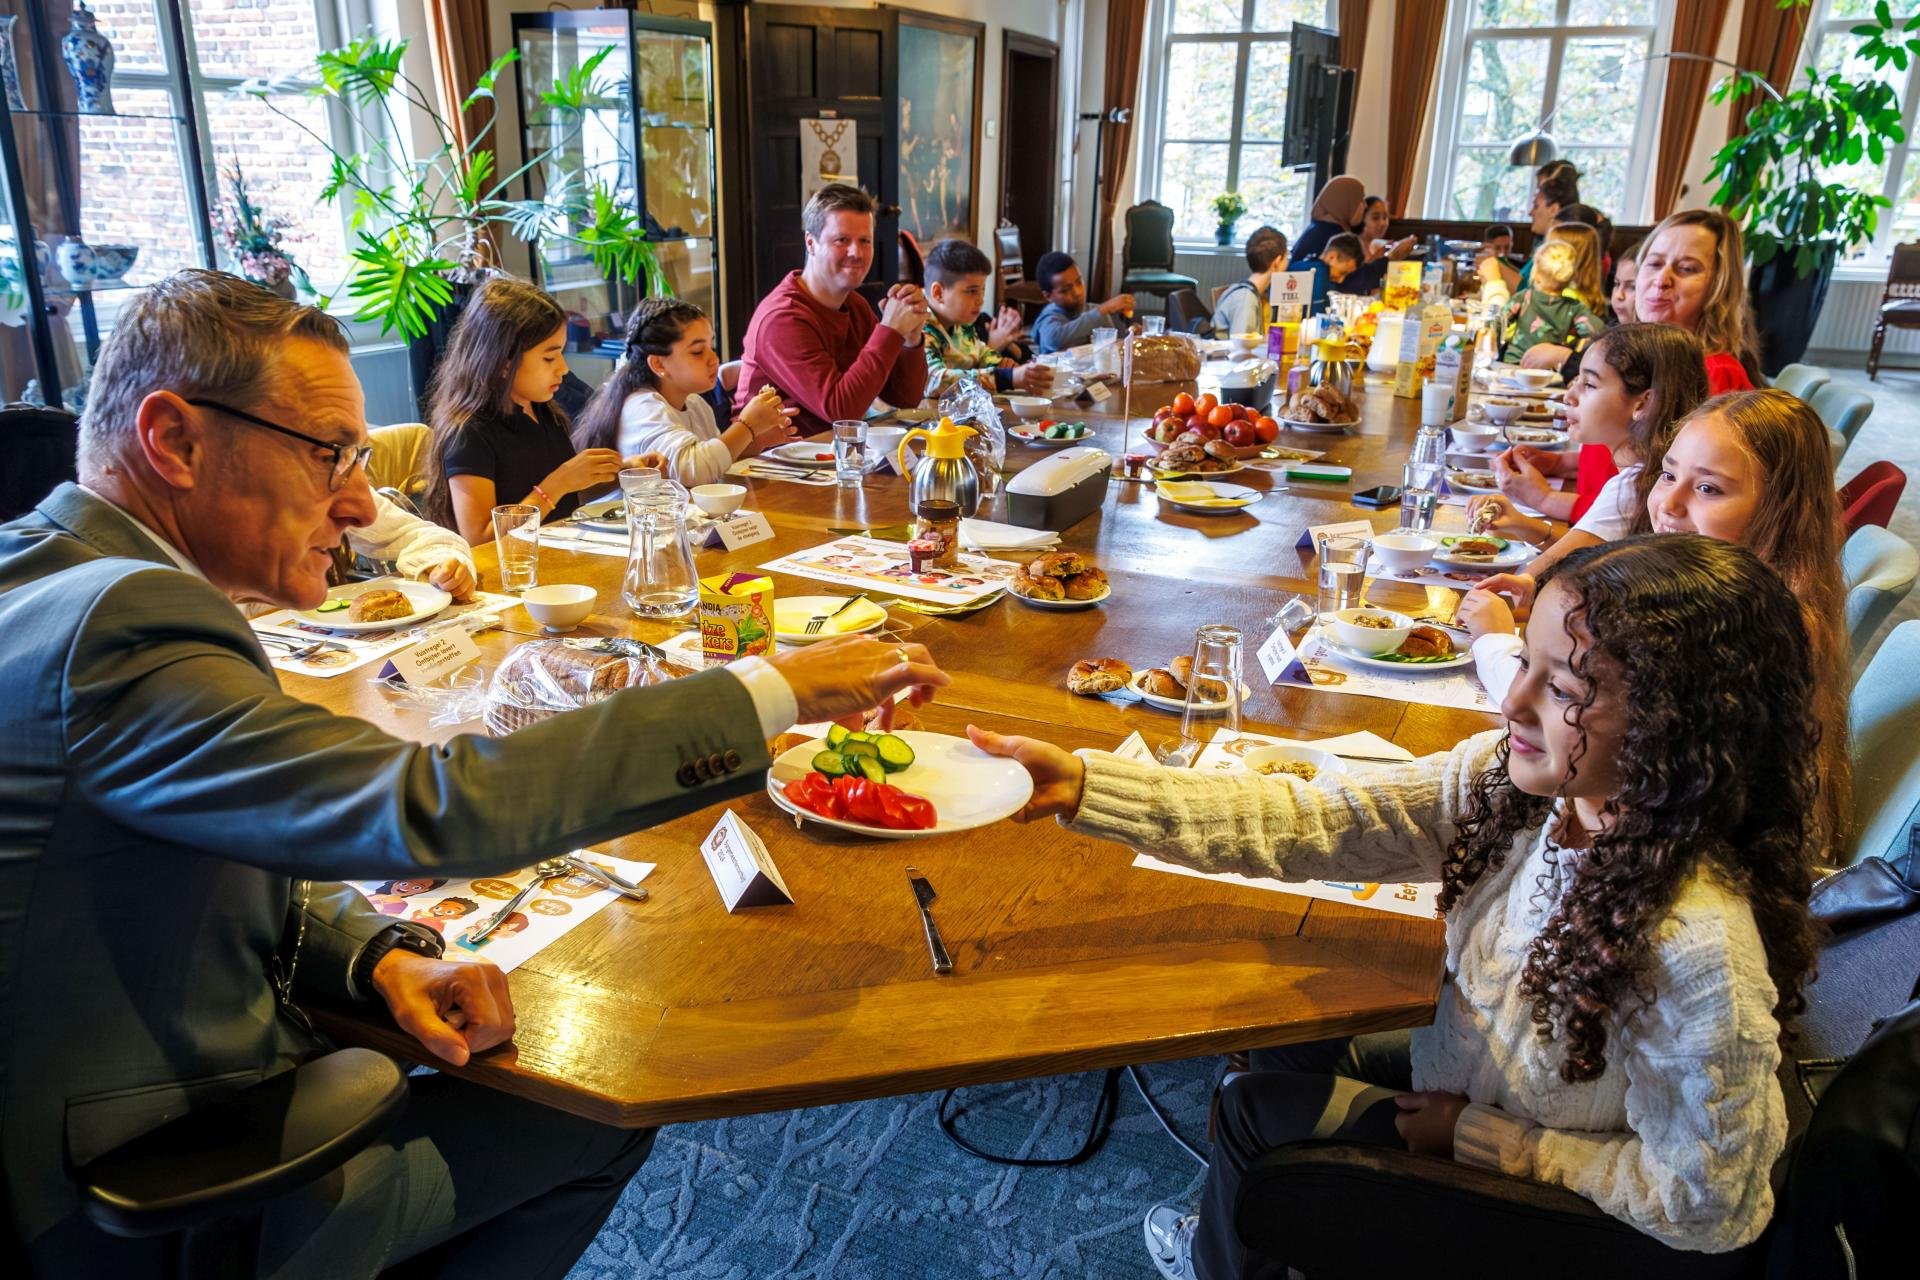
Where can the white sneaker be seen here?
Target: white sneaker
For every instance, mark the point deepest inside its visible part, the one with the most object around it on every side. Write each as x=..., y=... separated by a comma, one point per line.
x=1169, y=1235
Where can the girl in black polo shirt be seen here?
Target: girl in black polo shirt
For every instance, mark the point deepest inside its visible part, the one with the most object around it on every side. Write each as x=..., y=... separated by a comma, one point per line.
x=498, y=437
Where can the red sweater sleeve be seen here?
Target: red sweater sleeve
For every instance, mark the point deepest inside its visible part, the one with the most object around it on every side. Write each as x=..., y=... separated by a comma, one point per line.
x=1725, y=373
x=795, y=356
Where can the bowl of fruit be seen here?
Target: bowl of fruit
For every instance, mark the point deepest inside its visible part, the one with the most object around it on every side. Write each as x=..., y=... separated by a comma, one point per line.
x=1241, y=427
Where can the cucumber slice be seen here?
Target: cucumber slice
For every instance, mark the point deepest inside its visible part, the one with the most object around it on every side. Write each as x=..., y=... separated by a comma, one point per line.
x=895, y=754
x=851, y=749
x=870, y=768
x=831, y=763
x=836, y=734
x=859, y=735
x=333, y=606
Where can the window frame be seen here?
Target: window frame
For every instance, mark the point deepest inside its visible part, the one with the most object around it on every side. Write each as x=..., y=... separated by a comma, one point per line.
x=1155, y=135
x=1456, y=51
x=1821, y=23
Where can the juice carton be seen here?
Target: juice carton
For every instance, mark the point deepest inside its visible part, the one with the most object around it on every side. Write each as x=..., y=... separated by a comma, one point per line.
x=1420, y=336
x=1453, y=369
x=736, y=616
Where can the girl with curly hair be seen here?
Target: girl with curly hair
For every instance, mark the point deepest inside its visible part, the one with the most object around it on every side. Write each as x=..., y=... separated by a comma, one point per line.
x=1624, y=868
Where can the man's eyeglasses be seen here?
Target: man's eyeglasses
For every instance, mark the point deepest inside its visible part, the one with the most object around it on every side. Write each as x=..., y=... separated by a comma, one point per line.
x=347, y=458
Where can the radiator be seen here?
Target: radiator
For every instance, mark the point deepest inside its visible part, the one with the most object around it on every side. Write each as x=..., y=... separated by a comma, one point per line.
x=1212, y=270
x=1846, y=322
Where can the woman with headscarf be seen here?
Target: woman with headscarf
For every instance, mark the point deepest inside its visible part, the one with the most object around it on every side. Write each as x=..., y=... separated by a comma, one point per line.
x=1340, y=204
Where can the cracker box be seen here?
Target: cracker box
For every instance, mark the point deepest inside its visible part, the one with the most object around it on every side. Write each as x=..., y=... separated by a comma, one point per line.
x=736, y=616
x=1401, y=292
x=1420, y=337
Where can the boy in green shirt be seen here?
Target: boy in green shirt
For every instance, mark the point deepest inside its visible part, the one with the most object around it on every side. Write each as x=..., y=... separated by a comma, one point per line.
x=958, y=335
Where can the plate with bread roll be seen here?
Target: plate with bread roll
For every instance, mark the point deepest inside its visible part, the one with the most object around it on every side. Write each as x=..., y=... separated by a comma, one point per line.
x=1059, y=580
x=1166, y=687
x=1424, y=649
x=380, y=605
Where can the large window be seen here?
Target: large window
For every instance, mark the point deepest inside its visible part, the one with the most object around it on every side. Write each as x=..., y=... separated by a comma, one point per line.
x=1222, y=111
x=1831, y=46
x=1581, y=68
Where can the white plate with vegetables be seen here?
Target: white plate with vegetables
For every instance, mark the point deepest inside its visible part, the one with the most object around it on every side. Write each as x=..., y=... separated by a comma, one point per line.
x=960, y=786
x=1482, y=551
x=334, y=612
x=1051, y=435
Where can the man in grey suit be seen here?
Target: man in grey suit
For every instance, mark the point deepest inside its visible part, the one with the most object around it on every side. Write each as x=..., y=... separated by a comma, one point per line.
x=174, y=826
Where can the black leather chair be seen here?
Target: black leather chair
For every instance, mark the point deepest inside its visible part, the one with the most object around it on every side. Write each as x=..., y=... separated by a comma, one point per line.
x=205, y=1178
x=1147, y=255
x=37, y=449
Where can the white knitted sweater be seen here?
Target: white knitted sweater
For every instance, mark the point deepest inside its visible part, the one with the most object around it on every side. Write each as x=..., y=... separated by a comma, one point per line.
x=1678, y=1134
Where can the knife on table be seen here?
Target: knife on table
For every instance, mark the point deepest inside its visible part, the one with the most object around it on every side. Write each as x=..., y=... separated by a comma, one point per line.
x=924, y=895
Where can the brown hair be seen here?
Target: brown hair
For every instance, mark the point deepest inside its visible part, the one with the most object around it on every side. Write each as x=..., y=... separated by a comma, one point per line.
x=835, y=197
x=503, y=321
x=1587, y=279
x=1798, y=531
x=1667, y=361
x=1726, y=322
x=1265, y=247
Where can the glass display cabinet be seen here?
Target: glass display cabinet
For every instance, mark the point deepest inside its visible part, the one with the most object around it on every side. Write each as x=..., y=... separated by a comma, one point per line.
x=102, y=190
x=646, y=133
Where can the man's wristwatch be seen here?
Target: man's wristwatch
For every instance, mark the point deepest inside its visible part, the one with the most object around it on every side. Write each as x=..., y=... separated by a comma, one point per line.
x=400, y=935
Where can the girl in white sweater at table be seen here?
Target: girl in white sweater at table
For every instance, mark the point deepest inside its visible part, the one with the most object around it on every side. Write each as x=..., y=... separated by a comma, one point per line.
x=1624, y=872
x=656, y=400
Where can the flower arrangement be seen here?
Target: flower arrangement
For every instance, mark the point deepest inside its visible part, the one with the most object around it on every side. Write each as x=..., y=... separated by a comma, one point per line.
x=254, y=242
x=1228, y=207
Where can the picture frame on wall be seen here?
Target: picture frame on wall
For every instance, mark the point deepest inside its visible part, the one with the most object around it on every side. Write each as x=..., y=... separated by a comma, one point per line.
x=940, y=87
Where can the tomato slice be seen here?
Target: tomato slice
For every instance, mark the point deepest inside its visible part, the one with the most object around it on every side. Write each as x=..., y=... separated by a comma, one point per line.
x=917, y=812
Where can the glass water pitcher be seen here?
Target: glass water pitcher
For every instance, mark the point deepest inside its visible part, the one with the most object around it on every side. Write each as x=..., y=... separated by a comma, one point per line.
x=661, y=581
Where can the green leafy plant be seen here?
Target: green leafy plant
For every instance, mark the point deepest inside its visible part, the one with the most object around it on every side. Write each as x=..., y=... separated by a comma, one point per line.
x=423, y=225
x=1770, y=177
x=1228, y=207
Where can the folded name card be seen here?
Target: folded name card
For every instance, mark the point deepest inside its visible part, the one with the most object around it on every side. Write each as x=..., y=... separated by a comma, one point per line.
x=436, y=656
x=1310, y=540
x=736, y=531
x=741, y=867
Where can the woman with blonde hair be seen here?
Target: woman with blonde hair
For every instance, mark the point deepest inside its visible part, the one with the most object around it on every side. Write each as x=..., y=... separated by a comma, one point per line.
x=1693, y=273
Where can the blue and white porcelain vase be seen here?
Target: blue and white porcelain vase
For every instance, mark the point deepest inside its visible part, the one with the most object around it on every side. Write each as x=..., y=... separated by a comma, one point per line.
x=89, y=59
x=9, y=69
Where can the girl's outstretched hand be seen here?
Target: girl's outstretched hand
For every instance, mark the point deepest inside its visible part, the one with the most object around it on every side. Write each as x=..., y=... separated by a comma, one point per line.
x=1058, y=776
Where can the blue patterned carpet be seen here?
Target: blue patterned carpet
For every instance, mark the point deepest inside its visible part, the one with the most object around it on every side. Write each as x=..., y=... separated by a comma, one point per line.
x=874, y=1191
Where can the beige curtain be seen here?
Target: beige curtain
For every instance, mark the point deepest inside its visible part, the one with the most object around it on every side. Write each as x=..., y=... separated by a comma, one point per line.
x=1696, y=29
x=1770, y=40
x=1353, y=35
x=457, y=36
x=1126, y=32
x=1417, y=28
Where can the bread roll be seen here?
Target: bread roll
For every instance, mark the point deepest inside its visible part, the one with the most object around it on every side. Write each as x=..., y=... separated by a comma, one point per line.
x=1427, y=642
x=1211, y=690
x=1091, y=677
x=1037, y=588
x=382, y=605
x=1162, y=683
x=1089, y=584
x=1056, y=564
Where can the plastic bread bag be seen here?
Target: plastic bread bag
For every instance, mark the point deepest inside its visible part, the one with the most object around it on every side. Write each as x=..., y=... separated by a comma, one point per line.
x=972, y=404
x=546, y=677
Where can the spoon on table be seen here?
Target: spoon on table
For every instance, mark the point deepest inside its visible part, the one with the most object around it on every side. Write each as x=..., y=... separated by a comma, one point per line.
x=543, y=871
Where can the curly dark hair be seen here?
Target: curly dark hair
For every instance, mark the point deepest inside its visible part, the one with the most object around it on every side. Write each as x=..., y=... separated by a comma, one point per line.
x=1707, y=650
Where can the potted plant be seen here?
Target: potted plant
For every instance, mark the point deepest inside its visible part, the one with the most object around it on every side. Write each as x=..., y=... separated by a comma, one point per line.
x=253, y=241
x=1770, y=181
x=425, y=227
x=1228, y=208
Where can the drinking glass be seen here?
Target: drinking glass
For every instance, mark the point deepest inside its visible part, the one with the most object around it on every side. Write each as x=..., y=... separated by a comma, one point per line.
x=1105, y=353
x=1436, y=404
x=516, y=539
x=1418, y=501
x=1343, y=572
x=637, y=483
x=1153, y=324
x=1213, y=694
x=850, y=452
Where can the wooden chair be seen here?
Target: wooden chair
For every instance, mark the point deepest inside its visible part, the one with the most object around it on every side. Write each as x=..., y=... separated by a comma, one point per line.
x=1011, y=269
x=1900, y=303
x=1147, y=258
x=913, y=263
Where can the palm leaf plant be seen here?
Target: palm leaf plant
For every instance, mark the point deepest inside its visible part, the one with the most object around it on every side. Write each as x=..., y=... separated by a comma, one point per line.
x=423, y=226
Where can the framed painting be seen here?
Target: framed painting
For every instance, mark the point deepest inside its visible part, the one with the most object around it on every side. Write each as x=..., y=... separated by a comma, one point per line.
x=939, y=125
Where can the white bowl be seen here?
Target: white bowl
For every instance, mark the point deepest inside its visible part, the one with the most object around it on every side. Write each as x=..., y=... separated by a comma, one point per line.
x=1032, y=408
x=1534, y=378
x=1246, y=344
x=1367, y=640
x=1405, y=552
x=1476, y=436
x=559, y=607
x=1502, y=412
x=719, y=499
x=885, y=442
x=1266, y=757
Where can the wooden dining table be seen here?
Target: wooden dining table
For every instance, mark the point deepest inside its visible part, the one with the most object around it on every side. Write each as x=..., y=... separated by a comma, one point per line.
x=1066, y=957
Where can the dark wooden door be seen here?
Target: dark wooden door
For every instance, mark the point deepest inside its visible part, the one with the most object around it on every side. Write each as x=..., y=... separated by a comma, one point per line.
x=1030, y=141
x=805, y=62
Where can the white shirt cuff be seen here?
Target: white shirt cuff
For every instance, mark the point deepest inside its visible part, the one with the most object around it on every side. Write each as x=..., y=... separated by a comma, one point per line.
x=773, y=699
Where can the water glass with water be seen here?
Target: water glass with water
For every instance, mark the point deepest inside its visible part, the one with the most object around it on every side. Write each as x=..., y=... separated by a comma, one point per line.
x=850, y=452
x=1419, y=495
x=516, y=540
x=638, y=483
x=1106, y=354
x=1343, y=572
x=1153, y=324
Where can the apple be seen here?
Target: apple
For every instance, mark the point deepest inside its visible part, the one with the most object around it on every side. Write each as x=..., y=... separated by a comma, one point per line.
x=1240, y=435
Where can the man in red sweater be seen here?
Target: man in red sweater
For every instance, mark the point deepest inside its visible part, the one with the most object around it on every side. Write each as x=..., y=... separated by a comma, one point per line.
x=818, y=341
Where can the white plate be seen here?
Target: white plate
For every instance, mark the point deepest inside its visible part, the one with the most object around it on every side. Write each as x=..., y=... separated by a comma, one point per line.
x=609, y=515
x=427, y=601
x=1176, y=473
x=801, y=453
x=1549, y=438
x=1243, y=498
x=1319, y=428
x=968, y=787
x=1038, y=603
x=1180, y=704
x=1460, y=658
x=1456, y=482
x=1039, y=441
x=1515, y=555
x=806, y=607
